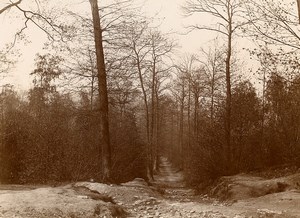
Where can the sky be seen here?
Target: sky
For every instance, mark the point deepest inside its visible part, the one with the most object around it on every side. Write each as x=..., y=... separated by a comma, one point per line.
x=167, y=10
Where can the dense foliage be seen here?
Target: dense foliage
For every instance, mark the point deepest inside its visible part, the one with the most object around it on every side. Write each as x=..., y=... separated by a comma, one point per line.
x=47, y=136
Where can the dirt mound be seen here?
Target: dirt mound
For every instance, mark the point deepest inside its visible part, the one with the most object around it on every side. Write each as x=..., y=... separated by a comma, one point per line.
x=80, y=200
x=128, y=192
x=55, y=202
x=245, y=186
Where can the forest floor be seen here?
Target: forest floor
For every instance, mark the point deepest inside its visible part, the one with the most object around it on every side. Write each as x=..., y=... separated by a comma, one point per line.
x=237, y=196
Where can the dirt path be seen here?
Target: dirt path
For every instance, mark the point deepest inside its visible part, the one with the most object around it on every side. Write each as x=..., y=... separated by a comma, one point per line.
x=170, y=193
x=168, y=175
x=171, y=183
x=176, y=200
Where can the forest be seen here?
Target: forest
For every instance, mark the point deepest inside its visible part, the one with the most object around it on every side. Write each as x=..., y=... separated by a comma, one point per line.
x=112, y=92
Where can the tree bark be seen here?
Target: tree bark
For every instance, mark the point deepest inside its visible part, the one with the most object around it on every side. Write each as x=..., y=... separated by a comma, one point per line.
x=196, y=113
x=212, y=96
x=188, y=149
x=228, y=94
x=148, y=159
x=103, y=98
x=298, y=5
x=92, y=81
x=157, y=130
x=152, y=135
x=181, y=119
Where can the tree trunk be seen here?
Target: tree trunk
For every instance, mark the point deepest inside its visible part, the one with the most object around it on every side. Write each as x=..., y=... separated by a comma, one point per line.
x=152, y=126
x=228, y=100
x=196, y=114
x=157, y=130
x=148, y=157
x=188, y=149
x=263, y=147
x=298, y=5
x=181, y=127
x=92, y=81
x=103, y=98
x=212, y=97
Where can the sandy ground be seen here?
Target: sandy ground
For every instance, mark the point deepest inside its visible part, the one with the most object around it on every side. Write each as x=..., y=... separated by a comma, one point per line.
x=246, y=196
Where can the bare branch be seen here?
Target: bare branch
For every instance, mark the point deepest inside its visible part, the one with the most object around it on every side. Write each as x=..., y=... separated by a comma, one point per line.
x=13, y=4
x=193, y=27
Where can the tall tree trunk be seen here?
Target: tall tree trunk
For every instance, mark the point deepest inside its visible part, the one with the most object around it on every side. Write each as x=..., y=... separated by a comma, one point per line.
x=152, y=126
x=263, y=147
x=103, y=98
x=228, y=100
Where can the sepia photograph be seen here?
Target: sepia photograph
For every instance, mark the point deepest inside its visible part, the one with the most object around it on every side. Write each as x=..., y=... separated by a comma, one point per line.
x=150, y=108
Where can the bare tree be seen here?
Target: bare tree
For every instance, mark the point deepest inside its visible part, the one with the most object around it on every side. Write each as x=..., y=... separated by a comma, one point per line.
x=227, y=14
x=161, y=48
x=139, y=45
x=103, y=97
x=212, y=60
x=184, y=89
x=93, y=61
x=179, y=92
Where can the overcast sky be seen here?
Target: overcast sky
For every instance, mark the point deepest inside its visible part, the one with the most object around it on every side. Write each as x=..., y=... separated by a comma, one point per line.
x=168, y=10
